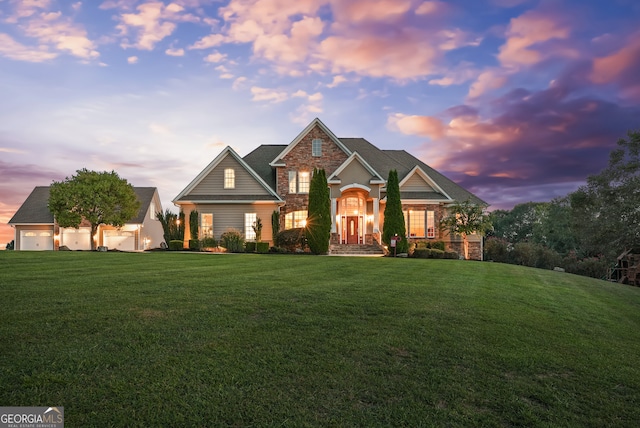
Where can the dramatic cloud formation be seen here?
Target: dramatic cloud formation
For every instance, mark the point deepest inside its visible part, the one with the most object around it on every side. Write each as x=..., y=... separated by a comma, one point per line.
x=517, y=100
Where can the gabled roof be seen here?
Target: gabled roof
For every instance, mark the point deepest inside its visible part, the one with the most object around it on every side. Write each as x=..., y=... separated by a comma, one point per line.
x=454, y=190
x=431, y=182
x=277, y=161
x=35, y=209
x=145, y=196
x=228, y=151
x=355, y=157
x=260, y=158
x=404, y=163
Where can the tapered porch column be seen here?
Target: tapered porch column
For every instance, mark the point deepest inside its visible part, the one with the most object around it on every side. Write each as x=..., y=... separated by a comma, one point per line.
x=334, y=210
x=376, y=215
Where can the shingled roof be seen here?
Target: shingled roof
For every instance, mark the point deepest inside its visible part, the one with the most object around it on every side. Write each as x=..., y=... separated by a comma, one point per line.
x=403, y=162
x=35, y=209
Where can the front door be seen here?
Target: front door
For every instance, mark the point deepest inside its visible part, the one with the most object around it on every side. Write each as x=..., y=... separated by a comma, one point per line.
x=352, y=230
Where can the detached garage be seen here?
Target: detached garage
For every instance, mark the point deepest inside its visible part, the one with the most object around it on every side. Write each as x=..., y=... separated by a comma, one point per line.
x=37, y=230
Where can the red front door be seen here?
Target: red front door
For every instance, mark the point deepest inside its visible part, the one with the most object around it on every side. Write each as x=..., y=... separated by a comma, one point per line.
x=352, y=230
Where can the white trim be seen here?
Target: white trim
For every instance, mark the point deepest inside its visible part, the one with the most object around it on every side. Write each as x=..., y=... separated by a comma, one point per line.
x=356, y=156
x=417, y=170
x=214, y=163
x=303, y=134
x=355, y=186
x=218, y=202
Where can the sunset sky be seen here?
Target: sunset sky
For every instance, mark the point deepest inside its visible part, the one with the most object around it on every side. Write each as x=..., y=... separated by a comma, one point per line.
x=516, y=100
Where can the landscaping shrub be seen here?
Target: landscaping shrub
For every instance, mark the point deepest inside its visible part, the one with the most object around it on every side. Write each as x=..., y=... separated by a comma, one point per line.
x=194, y=244
x=546, y=258
x=232, y=240
x=451, y=255
x=496, y=249
x=208, y=242
x=429, y=253
x=262, y=247
x=595, y=267
x=250, y=247
x=291, y=239
x=176, y=245
x=436, y=253
x=524, y=253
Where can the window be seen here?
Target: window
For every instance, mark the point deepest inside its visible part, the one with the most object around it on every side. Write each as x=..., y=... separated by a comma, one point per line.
x=249, y=221
x=229, y=178
x=206, y=225
x=295, y=219
x=303, y=182
x=431, y=224
x=414, y=223
x=316, y=147
x=152, y=210
x=293, y=182
x=299, y=181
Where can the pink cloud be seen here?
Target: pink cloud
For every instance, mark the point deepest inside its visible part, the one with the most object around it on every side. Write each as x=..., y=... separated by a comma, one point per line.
x=370, y=10
x=525, y=35
x=621, y=68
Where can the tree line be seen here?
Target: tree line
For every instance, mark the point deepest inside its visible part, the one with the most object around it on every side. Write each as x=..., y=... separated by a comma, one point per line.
x=584, y=231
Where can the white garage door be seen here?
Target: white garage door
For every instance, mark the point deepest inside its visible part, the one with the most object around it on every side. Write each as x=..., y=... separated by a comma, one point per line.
x=36, y=240
x=76, y=239
x=120, y=240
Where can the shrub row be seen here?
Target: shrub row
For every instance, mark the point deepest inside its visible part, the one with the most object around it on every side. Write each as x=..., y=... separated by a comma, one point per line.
x=433, y=253
x=539, y=256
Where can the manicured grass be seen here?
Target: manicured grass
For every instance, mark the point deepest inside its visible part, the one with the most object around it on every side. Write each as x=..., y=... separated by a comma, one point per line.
x=166, y=339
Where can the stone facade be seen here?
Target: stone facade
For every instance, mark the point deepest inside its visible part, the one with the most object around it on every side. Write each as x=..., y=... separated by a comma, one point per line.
x=300, y=159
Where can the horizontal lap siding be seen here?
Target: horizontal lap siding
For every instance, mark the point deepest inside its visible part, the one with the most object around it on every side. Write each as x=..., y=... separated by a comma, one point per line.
x=213, y=184
x=355, y=173
x=232, y=216
x=416, y=184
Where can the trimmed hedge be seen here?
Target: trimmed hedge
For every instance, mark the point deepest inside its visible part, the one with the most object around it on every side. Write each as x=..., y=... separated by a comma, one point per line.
x=433, y=253
x=208, y=242
x=194, y=244
x=176, y=245
x=262, y=247
x=250, y=247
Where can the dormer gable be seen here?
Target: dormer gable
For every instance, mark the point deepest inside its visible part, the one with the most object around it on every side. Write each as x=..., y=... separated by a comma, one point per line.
x=418, y=181
x=355, y=169
x=330, y=142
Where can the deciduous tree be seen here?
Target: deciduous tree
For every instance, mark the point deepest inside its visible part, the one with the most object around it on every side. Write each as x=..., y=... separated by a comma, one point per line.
x=465, y=218
x=96, y=197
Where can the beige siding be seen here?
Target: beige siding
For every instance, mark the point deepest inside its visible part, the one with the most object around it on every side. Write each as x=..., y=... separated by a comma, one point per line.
x=355, y=173
x=213, y=184
x=416, y=184
x=151, y=227
x=232, y=216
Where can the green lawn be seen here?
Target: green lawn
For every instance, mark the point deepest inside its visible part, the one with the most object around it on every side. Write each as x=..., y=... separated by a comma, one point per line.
x=177, y=339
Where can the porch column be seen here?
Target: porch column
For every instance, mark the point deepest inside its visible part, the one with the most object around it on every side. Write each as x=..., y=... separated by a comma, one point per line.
x=376, y=215
x=334, y=210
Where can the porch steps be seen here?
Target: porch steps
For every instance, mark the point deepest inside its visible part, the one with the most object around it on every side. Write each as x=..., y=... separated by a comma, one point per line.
x=355, y=250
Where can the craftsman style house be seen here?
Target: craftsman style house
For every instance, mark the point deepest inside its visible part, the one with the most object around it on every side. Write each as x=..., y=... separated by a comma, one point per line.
x=233, y=191
x=36, y=228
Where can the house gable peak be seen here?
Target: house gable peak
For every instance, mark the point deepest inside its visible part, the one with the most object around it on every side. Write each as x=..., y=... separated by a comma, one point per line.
x=278, y=161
